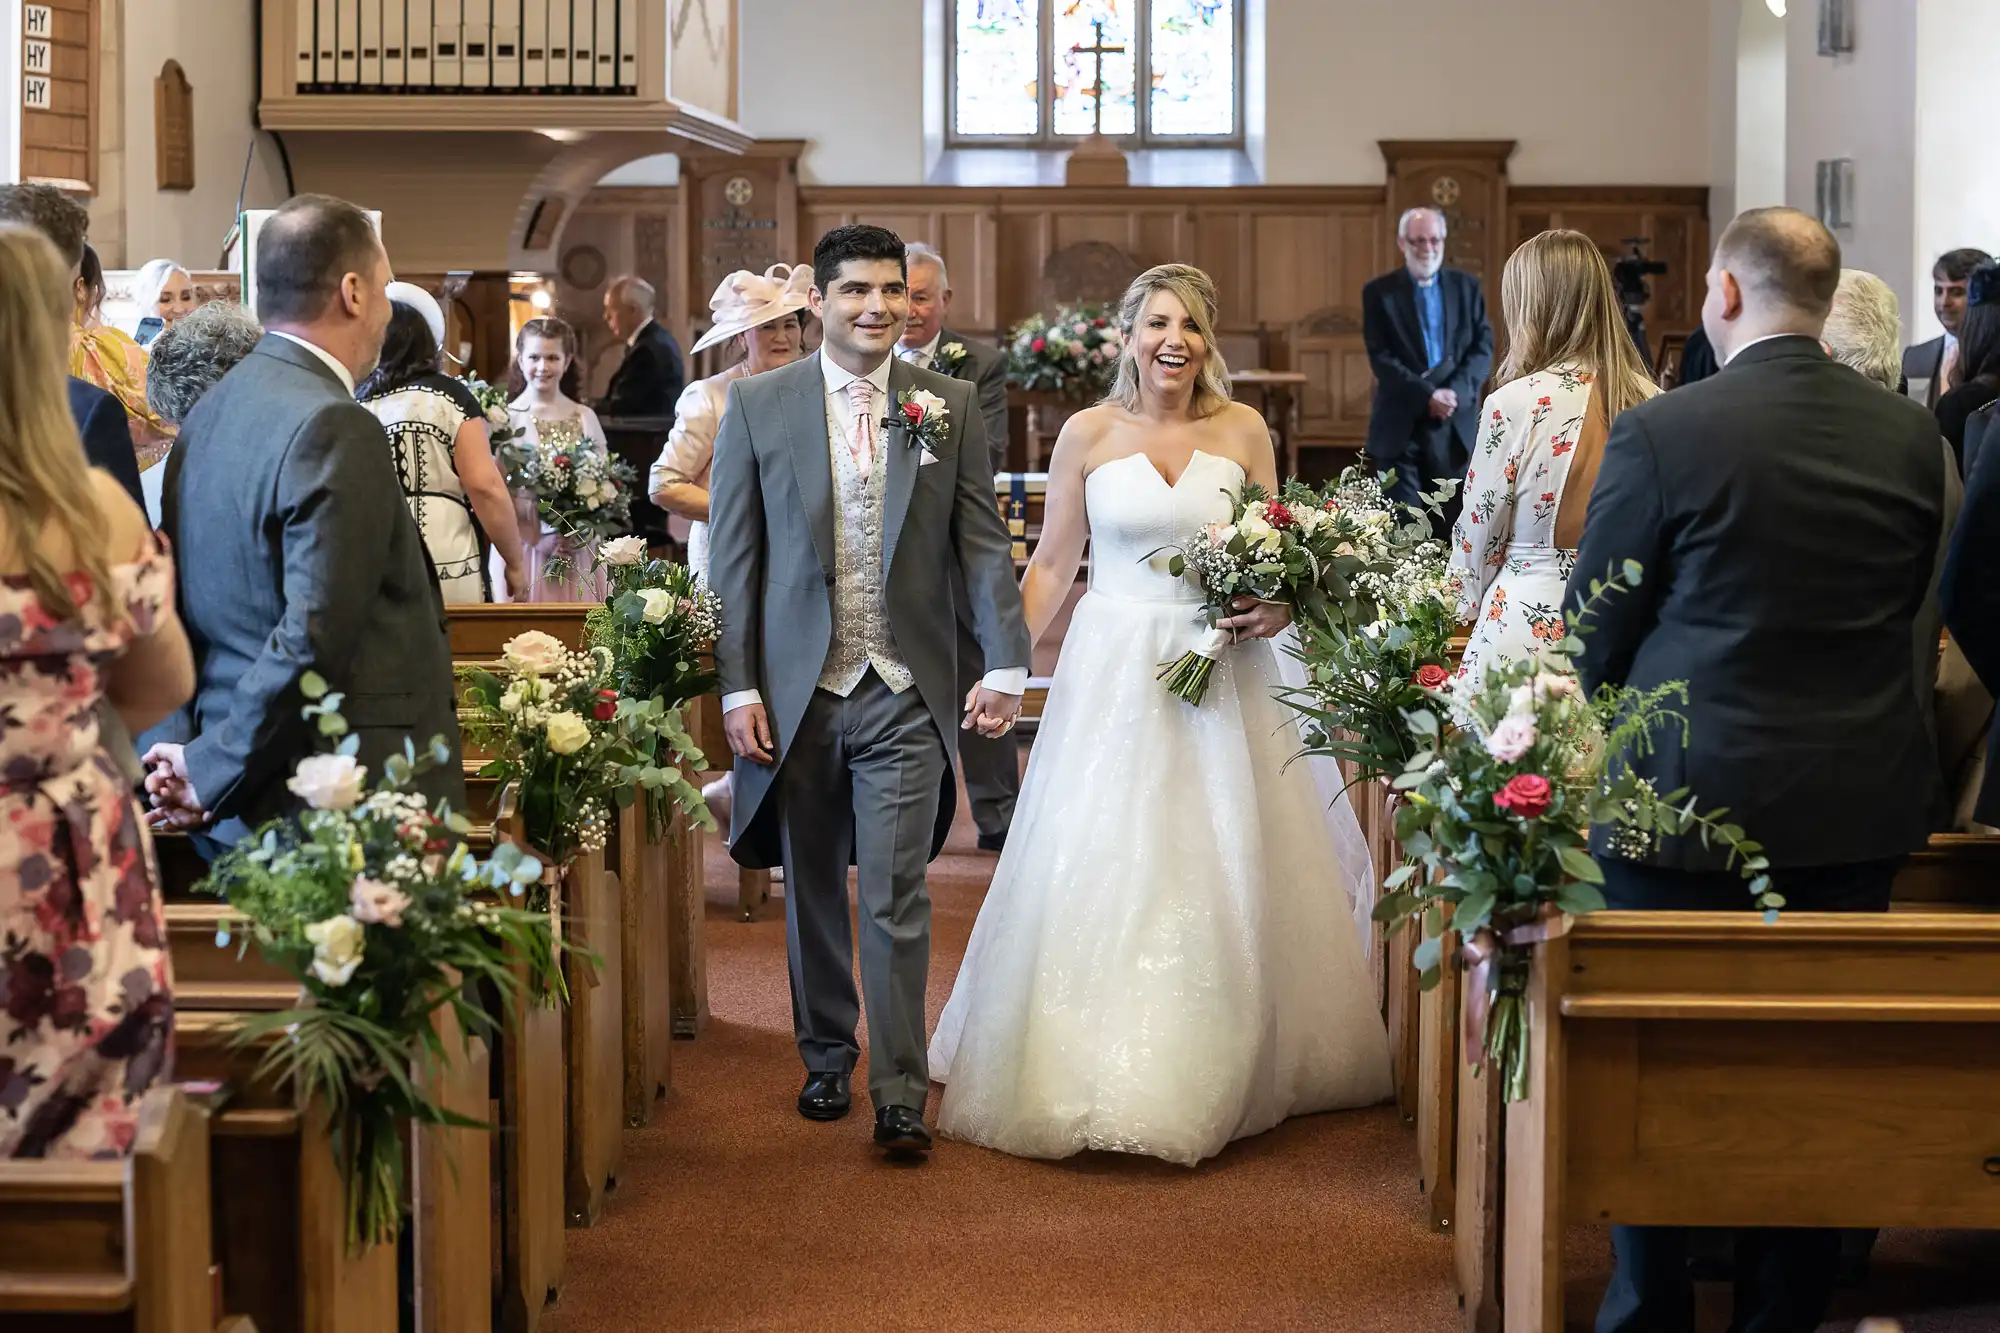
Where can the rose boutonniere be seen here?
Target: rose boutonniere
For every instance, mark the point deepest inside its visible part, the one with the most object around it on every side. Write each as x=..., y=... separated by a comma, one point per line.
x=922, y=415
x=949, y=358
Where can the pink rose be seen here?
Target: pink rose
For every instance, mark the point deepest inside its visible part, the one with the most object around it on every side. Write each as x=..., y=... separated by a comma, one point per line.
x=1512, y=738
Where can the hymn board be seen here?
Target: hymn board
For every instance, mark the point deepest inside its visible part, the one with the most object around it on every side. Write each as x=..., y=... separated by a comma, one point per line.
x=468, y=46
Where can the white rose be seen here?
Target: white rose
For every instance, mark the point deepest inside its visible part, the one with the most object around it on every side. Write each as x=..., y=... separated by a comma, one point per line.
x=337, y=946
x=534, y=651
x=566, y=732
x=622, y=551
x=659, y=605
x=1521, y=703
x=1254, y=528
x=328, y=781
x=930, y=403
x=376, y=903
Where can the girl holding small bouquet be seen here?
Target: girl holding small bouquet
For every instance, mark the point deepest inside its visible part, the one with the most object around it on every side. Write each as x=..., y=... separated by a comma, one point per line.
x=566, y=485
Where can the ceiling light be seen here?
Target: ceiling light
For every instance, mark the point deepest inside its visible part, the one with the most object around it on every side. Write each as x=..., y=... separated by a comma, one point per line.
x=1777, y=8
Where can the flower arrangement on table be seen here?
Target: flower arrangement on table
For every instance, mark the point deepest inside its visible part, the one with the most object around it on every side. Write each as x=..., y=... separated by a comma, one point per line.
x=1370, y=656
x=372, y=900
x=1498, y=806
x=581, y=492
x=1073, y=354
x=555, y=725
x=657, y=625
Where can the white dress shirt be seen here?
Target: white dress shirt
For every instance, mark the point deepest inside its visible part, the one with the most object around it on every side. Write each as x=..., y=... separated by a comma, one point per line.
x=1754, y=341
x=840, y=427
x=332, y=362
x=921, y=357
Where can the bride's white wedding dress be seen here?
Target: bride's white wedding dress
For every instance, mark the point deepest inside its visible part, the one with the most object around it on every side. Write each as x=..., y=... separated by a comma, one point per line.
x=1167, y=958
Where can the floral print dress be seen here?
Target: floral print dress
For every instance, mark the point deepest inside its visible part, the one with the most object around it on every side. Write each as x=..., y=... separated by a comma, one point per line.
x=1512, y=573
x=88, y=1024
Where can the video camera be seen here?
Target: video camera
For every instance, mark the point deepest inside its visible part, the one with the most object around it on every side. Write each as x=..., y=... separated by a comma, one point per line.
x=1628, y=274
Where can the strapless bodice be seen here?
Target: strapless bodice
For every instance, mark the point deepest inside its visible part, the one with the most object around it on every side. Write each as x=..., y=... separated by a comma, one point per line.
x=1137, y=521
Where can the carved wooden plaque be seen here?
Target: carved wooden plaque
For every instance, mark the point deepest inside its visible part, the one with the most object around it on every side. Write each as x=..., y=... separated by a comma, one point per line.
x=173, y=128
x=58, y=93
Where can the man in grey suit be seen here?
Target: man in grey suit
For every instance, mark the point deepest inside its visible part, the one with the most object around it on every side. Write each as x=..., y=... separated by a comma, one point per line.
x=294, y=547
x=991, y=766
x=836, y=522
x=1931, y=362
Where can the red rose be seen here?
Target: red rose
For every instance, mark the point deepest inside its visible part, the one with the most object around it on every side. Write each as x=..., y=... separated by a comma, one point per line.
x=1431, y=677
x=1100, y=323
x=1526, y=794
x=607, y=705
x=1278, y=515
x=914, y=412
x=1038, y=345
x=562, y=460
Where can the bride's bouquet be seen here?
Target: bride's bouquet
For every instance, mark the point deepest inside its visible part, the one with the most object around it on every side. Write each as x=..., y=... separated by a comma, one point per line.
x=1267, y=550
x=581, y=492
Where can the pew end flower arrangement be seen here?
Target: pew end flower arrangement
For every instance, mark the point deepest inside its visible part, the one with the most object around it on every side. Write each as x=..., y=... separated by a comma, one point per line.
x=1498, y=805
x=558, y=728
x=658, y=624
x=374, y=903
x=1371, y=656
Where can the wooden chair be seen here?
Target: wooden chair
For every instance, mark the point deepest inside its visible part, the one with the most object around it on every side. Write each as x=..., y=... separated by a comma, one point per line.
x=115, y=1245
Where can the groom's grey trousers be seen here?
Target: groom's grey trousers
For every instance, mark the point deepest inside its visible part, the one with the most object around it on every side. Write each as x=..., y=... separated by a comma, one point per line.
x=861, y=781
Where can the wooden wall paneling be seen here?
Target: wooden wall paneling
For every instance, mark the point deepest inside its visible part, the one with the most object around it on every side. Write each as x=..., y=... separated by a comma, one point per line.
x=1674, y=217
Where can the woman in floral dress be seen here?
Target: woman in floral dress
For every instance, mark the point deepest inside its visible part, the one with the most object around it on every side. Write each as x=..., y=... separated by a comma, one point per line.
x=1570, y=370
x=86, y=616
x=542, y=385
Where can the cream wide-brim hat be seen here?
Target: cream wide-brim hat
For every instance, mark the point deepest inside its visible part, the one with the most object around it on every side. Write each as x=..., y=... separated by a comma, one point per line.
x=421, y=301
x=746, y=299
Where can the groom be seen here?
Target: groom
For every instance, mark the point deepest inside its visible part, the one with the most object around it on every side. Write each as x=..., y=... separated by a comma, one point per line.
x=836, y=522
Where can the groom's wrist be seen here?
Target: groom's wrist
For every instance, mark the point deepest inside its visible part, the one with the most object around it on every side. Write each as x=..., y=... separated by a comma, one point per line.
x=1006, y=680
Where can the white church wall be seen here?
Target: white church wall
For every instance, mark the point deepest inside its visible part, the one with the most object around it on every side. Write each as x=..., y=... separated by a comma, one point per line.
x=1861, y=106
x=1595, y=91
x=1759, y=108
x=1957, y=189
x=215, y=43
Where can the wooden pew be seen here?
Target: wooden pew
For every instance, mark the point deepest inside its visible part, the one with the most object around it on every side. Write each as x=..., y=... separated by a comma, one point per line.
x=594, y=1036
x=1956, y=874
x=1655, y=1099
x=115, y=1245
x=661, y=882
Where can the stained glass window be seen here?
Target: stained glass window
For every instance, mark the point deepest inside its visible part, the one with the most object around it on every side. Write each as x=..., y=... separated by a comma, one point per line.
x=1194, y=67
x=1079, y=24
x=1027, y=71
x=996, y=73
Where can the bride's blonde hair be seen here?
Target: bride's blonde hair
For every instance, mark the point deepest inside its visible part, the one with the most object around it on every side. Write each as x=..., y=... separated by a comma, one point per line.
x=1195, y=291
x=1562, y=309
x=45, y=485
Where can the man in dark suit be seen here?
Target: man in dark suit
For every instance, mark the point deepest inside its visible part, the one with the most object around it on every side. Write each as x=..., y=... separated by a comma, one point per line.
x=1970, y=594
x=991, y=764
x=294, y=546
x=648, y=382
x=1930, y=363
x=1431, y=347
x=100, y=418
x=1786, y=513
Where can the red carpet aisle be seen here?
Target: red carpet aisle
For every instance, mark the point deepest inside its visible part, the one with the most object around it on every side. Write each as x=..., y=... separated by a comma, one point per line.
x=734, y=1213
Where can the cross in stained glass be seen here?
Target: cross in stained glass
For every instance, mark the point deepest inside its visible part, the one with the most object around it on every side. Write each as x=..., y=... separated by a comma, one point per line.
x=1097, y=51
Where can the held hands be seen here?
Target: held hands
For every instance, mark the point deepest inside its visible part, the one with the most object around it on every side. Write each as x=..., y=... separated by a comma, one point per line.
x=175, y=804
x=989, y=712
x=1255, y=619
x=1443, y=403
x=749, y=731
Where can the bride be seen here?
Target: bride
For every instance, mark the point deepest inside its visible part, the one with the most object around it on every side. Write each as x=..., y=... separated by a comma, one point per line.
x=1166, y=959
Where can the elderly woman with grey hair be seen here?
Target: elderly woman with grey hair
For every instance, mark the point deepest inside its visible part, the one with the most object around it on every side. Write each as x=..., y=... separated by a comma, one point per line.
x=187, y=360
x=1864, y=331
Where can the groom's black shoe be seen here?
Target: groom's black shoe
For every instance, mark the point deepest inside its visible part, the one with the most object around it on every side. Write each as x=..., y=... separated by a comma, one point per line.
x=824, y=1097
x=900, y=1131
x=993, y=842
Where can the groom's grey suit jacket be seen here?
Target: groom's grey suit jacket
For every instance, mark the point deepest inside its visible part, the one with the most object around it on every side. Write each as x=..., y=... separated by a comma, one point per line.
x=771, y=560
x=295, y=551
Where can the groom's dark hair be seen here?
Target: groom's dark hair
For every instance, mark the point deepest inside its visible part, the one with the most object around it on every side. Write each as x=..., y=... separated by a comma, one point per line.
x=857, y=240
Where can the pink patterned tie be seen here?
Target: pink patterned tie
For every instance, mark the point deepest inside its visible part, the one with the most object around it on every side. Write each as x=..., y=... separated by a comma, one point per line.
x=861, y=397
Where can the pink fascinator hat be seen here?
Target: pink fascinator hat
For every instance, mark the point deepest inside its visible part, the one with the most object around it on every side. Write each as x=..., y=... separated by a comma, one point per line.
x=746, y=299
